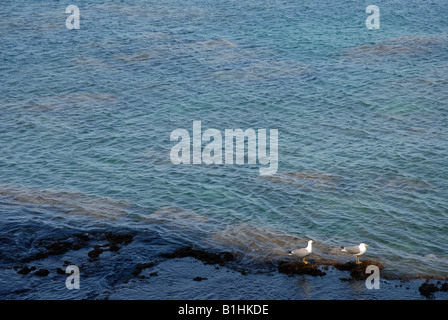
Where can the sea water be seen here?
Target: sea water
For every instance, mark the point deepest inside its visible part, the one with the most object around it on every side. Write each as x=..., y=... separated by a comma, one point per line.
x=86, y=117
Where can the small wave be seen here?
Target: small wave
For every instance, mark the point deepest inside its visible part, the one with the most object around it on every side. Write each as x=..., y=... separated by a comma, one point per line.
x=90, y=62
x=214, y=44
x=136, y=57
x=265, y=70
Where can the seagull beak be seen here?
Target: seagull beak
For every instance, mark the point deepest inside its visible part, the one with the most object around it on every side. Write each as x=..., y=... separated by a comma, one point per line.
x=367, y=245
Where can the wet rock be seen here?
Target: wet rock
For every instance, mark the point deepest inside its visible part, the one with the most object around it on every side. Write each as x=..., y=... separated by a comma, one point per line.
x=57, y=247
x=296, y=267
x=60, y=271
x=84, y=237
x=357, y=271
x=428, y=289
x=95, y=253
x=42, y=273
x=114, y=247
x=115, y=239
x=78, y=241
x=206, y=257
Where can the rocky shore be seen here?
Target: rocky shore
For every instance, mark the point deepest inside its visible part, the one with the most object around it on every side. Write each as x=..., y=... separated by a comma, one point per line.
x=326, y=277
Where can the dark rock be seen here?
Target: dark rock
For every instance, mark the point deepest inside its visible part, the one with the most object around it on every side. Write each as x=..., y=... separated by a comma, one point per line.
x=114, y=247
x=61, y=246
x=56, y=248
x=357, y=270
x=141, y=266
x=428, y=289
x=42, y=273
x=78, y=241
x=25, y=270
x=199, y=279
x=153, y=274
x=202, y=255
x=95, y=253
x=124, y=238
x=60, y=271
x=84, y=237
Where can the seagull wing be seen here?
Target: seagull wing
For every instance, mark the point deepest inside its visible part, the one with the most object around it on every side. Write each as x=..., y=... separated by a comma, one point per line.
x=353, y=250
x=300, y=252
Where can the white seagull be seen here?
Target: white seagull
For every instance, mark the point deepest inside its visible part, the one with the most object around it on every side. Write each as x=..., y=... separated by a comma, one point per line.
x=303, y=252
x=356, y=250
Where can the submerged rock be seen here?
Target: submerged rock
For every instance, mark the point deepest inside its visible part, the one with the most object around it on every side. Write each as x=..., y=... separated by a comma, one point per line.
x=25, y=270
x=199, y=279
x=296, y=267
x=60, y=271
x=428, y=289
x=67, y=202
x=75, y=242
x=400, y=47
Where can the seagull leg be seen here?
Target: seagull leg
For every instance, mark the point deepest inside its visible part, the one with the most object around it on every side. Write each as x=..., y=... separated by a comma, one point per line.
x=305, y=262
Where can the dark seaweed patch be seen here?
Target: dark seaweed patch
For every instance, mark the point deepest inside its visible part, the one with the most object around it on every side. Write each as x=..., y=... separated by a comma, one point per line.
x=206, y=257
x=48, y=247
x=141, y=266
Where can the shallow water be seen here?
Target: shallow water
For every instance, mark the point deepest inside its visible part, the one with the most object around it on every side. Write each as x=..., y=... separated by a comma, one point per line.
x=86, y=117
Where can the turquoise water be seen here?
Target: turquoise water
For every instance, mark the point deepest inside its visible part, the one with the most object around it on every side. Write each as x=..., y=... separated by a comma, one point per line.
x=86, y=118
